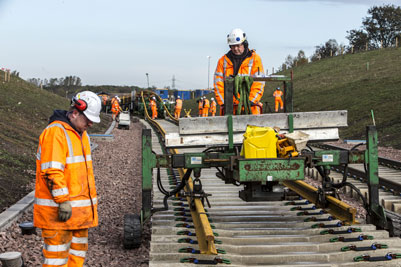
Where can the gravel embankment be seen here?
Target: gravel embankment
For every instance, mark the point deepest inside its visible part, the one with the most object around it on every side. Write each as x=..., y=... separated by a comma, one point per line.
x=117, y=166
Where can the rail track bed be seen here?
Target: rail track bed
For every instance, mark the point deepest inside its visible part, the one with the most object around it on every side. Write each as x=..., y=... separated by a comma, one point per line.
x=271, y=233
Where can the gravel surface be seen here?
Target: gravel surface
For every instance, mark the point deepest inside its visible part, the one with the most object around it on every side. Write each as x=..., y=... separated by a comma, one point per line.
x=117, y=166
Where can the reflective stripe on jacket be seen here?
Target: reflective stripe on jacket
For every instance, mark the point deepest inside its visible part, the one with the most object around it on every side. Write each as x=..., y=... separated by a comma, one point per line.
x=64, y=172
x=251, y=66
x=178, y=103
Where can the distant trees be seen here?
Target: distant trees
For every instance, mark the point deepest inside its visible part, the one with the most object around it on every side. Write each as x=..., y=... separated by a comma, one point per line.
x=381, y=26
x=291, y=61
x=66, y=81
x=325, y=50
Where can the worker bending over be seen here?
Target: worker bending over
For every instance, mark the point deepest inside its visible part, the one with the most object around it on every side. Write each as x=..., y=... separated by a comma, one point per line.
x=65, y=193
x=277, y=99
x=178, y=107
x=153, y=107
x=239, y=61
x=115, y=108
x=206, y=105
x=213, y=107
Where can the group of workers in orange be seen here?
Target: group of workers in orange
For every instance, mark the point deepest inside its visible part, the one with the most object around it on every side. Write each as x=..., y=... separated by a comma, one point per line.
x=205, y=106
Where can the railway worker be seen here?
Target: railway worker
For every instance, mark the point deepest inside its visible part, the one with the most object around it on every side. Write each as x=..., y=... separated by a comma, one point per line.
x=206, y=106
x=153, y=107
x=115, y=108
x=65, y=194
x=240, y=60
x=178, y=107
x=213, y=107
x=104, y=99
x=277, y=99
x=200, y=106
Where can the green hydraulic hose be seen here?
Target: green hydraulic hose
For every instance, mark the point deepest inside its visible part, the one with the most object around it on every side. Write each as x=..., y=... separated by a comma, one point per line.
x=242, y=87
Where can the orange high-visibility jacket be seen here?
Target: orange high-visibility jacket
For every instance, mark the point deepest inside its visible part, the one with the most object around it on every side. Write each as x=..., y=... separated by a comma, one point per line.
x=64, y=172
x=200, y=105
x=206, y=104
x=213, y=106
x=178, y=104
x=115, y=108
x=251, y=66
x=277, y=94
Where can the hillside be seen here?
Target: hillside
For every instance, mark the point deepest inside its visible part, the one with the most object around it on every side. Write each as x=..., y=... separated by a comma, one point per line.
x=345, y=82
x=24, y=113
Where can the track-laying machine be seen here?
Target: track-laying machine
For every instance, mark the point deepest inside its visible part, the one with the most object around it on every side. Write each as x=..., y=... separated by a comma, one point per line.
x=270, y=167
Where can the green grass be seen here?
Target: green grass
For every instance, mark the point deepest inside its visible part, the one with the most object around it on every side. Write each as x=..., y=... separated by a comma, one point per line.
x=24, y=113
x=344, y=82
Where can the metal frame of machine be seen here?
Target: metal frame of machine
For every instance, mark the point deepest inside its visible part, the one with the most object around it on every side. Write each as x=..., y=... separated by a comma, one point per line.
x=257, y=174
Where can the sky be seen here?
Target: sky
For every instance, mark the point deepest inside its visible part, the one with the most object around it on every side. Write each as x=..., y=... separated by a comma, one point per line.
x=118, y=42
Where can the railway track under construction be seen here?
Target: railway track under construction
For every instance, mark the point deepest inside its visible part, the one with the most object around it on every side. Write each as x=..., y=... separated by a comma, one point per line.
x=239, y=233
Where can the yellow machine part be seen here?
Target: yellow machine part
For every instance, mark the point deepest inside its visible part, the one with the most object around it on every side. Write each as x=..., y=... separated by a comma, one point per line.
x=286, y=148
x=259, y=142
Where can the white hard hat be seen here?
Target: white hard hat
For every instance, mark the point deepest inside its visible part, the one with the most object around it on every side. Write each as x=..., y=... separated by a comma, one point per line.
x=212, y=98
x=91, y=107
x=178, y=96
x=237, y=36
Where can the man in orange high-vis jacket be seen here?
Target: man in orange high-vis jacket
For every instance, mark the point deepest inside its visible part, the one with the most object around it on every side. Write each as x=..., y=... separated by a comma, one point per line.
x=213, y=107
x=239, y=61
x=200, y=106
x=206, y=105
x=178, y=107
x=115, y=108
x=153, y=107
x=277, y=99
x=65, y=193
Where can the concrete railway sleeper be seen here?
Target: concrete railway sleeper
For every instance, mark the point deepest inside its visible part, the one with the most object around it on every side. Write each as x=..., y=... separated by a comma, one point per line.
x=286, y=233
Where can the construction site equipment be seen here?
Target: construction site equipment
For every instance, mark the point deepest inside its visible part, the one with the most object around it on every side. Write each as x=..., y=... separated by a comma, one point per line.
x=262, y=174
x=124, y=120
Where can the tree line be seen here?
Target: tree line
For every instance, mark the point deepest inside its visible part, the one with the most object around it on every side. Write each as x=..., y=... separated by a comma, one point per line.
x=380, y=28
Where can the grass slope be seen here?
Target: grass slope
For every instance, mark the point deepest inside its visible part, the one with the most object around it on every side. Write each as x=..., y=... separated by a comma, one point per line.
x=24, y=113
x=345, y=82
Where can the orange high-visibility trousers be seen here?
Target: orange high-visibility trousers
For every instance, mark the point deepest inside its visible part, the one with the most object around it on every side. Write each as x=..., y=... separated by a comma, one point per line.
x=205, y=112
x=200, y=112
x=278, y=101
x=154, y=112
x=177, y=113
x=66, y=248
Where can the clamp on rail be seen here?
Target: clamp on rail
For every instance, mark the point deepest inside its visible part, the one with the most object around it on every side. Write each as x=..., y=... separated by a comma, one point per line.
x=387, y=257
x=374, y=246
x=215, y=261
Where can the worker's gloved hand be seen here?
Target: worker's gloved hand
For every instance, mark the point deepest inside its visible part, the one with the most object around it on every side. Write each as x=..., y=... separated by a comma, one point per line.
x=64, y=211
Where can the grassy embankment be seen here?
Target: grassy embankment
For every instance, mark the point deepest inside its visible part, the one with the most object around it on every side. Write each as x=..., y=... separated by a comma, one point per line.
x=24, y=113
x=345, y=82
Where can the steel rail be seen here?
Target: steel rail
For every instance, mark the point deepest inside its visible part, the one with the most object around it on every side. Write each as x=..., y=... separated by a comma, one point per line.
x=203, y=230
x=337, y=208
